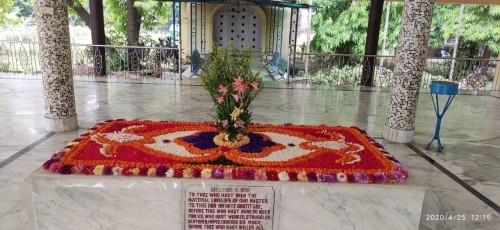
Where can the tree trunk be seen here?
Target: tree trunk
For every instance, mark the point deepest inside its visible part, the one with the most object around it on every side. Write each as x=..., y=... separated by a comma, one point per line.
x=84, y=15
x=133, y=28
x=133, y=23
x=485, y=64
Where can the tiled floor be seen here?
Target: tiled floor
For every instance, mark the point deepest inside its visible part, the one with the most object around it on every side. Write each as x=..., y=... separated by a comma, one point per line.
x=470, y=133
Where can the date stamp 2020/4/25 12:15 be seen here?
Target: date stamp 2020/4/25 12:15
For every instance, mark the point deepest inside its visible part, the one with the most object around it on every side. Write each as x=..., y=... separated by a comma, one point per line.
x=459, y=217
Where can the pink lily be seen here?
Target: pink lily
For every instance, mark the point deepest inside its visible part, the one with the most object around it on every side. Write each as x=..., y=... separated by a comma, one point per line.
x=240, y=88
x=222, y=89
x=220, y=99
x=238, y=80
x=239, y=85
x=255, y=85
x=236, y=97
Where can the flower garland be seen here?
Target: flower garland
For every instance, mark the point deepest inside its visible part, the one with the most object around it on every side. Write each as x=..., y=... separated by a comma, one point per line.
x=223, y=140
x=380, y=166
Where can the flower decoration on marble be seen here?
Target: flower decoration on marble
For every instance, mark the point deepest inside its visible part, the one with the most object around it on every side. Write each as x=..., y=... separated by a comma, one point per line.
x=232, y=86
x=272, y=153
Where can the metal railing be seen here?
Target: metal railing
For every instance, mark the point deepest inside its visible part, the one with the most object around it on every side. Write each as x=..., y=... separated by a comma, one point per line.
x=323, y=69
x=347, y=69
x=127, y=61
x=19, y=57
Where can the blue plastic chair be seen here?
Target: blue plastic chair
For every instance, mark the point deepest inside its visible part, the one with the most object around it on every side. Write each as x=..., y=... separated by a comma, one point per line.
x=441, y=88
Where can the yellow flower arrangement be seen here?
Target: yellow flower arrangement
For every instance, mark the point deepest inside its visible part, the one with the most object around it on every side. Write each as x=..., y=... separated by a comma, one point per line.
x=236, y=113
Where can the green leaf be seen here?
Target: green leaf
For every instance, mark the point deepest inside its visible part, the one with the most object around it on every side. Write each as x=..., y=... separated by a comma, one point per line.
x=231, y=136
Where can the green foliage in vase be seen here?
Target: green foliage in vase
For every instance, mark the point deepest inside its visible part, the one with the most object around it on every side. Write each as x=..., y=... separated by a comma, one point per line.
x=232, y=86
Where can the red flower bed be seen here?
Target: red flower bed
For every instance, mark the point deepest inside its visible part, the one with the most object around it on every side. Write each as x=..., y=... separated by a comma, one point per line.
x=187, y=150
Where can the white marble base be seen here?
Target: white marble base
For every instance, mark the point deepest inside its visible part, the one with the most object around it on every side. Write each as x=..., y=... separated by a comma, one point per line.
x=398, y=136
x=61, y=124
x=118, y=202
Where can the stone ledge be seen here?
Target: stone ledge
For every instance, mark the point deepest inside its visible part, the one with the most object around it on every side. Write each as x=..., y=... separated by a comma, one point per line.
x=136, y=202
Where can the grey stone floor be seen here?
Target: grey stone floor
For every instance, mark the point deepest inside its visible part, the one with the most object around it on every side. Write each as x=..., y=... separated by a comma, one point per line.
x=470, y=132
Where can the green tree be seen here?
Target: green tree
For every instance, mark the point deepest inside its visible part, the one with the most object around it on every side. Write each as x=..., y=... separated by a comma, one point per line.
x=479, y=36
x=24, y=8
x=480, y=26
x=127, y=18
x=326, y=15
x=5, y=7
x=341, y=26
x=124, y=19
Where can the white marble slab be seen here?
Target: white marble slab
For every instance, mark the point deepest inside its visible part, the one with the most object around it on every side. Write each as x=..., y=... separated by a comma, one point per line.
x=118, y=202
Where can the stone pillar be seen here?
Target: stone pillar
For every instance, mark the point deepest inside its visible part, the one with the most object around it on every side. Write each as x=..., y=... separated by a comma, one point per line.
x=55, y=61
x=410, y=59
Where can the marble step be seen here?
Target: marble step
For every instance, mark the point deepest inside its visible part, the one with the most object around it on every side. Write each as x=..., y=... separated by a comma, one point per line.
x=119, y=202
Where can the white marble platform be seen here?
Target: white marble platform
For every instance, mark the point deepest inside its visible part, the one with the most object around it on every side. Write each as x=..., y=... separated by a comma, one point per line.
x=118, y=202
